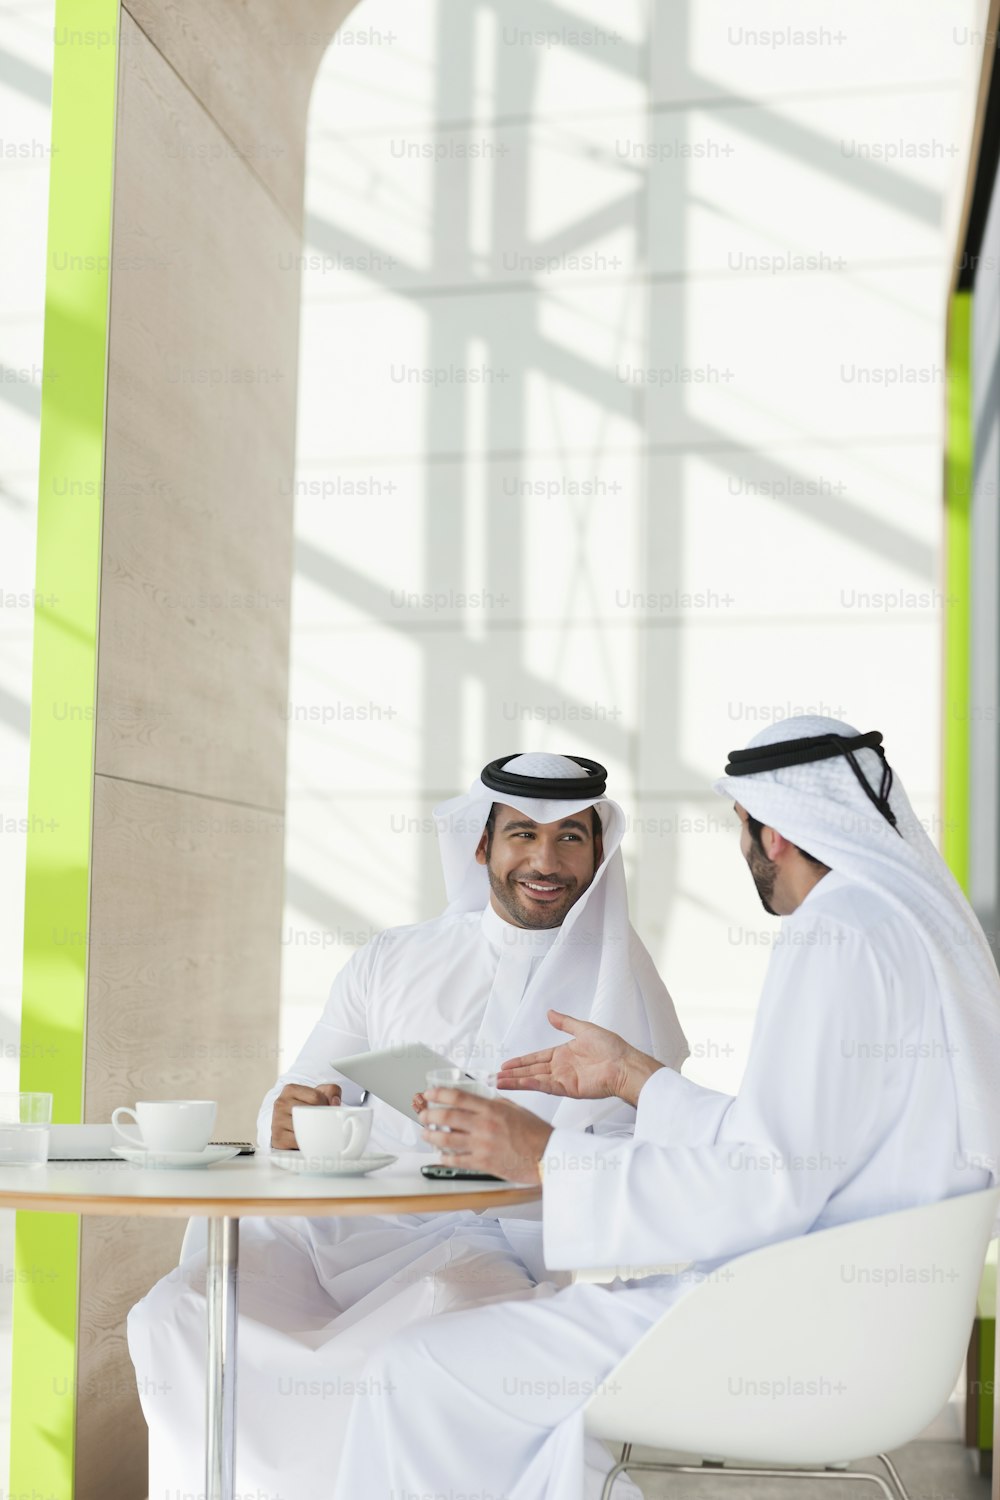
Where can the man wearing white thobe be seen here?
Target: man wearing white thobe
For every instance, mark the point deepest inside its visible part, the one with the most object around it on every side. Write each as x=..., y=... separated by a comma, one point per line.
x=537, y=915
x=870, y=1087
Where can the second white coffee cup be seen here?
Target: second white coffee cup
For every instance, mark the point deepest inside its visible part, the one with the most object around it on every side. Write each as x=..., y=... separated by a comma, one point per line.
x=168, y=1124
x=332, y=1130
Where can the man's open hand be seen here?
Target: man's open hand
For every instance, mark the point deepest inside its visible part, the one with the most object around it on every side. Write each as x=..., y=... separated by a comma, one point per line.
x=584, y=1067
x=282, y=1134
x=488, y=1135
x=593, y=1064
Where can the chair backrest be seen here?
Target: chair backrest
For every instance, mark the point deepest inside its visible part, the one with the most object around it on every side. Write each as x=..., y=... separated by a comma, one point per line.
x=827, y=1347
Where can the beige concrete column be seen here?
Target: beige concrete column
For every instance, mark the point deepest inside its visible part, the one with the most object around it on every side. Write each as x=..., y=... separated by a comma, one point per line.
x=183, y=947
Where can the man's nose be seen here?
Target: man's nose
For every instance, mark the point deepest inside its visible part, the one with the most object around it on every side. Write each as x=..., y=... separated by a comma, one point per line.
x=548, y=856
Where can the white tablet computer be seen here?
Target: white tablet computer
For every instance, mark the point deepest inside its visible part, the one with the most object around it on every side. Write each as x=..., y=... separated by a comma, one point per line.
x=395, y=1074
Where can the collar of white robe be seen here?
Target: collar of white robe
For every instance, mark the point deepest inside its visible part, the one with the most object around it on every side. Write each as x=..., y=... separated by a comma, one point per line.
x=812, y=747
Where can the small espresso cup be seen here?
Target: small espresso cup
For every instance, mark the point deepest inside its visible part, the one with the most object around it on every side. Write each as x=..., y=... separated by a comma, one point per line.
x=332, y=1130
x=168, y=1124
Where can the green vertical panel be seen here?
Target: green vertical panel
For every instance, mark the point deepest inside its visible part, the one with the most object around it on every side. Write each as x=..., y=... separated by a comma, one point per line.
x=71, y=467
x=43, y=1395
x=958, y=589
x=986, y=1306
x=984, y=1404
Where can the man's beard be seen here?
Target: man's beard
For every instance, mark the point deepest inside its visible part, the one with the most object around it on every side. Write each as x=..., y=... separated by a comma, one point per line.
x=522, y=912
x=765, y=873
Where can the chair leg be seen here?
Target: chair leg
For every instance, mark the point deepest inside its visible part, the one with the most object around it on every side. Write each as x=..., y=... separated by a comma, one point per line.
x=612, y=1474
x=893, y=1472
x=850, y=1476
x=619, y=1468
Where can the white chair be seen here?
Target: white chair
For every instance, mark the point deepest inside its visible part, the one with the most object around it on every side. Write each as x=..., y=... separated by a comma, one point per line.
x=809, y=1353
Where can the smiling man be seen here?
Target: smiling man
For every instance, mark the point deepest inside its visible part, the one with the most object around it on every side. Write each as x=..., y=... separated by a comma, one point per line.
x=509, y=849
x=537, y=916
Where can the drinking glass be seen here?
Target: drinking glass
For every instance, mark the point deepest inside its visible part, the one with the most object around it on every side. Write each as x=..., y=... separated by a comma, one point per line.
x=24, y=1129
x=470, y=1081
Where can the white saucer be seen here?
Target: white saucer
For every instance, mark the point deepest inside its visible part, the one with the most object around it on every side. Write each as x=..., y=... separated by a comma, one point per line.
x=329, y=1166
x=207, y=1158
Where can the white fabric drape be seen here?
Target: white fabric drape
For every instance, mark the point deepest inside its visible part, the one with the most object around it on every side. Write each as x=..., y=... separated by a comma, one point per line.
x=597, y=958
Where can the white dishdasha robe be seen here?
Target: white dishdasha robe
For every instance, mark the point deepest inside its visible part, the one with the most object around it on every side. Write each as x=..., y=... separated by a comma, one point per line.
x=317, y=1296
x=848, y=1108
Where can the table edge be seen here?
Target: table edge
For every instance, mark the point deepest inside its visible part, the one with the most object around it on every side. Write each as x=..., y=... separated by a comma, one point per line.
x=249, y=1206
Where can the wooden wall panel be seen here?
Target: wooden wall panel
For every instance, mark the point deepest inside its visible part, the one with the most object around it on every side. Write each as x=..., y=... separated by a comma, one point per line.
x=185, y=952
x=184, y=969
x=196, y=572
x=120, y=1259
x=183, y=946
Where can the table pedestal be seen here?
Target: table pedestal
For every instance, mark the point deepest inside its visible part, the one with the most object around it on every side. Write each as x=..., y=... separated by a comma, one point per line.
x=220, y=1415
x=222, y=1194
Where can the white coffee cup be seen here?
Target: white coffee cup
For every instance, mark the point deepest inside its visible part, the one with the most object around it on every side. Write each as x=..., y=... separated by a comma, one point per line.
x=168, y=1124
x=332, y=1130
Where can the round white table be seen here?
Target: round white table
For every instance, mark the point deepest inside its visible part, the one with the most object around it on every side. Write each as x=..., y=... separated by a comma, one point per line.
x=223, y=1194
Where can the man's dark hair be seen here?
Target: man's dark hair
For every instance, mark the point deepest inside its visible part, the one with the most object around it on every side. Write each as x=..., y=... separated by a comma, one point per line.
x=755, y=827
x=491, y=822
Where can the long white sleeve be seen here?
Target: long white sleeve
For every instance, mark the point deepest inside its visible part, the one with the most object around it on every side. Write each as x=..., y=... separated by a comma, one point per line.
x=812, y=1104
x=341, y=1030
x=674, y=1109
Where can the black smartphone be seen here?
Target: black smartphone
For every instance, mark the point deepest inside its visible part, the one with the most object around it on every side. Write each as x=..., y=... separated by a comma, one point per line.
x=437, y=1169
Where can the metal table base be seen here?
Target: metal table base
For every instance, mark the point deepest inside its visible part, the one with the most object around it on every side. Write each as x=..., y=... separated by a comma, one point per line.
x=220, y=1413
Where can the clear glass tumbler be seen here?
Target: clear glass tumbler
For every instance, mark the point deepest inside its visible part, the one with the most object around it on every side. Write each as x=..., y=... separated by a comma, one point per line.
x=470, y=1081
x=24, y=1129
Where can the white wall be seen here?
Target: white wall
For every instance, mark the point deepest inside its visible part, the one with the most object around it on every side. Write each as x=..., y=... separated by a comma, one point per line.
x=683, y=283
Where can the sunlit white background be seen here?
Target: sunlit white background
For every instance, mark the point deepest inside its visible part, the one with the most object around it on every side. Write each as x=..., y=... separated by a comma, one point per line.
x=631, y=334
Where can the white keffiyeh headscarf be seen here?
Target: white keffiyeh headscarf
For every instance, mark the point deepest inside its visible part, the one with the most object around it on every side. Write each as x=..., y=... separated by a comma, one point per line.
x=821, y=807
x=597, y=969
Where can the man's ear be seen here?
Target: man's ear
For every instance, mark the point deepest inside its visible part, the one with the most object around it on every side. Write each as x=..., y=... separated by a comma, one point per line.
x=775, y=844
x=481, y=849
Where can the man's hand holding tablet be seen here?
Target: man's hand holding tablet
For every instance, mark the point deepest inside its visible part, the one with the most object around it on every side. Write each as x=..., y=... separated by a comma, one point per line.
x=396, y=1075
